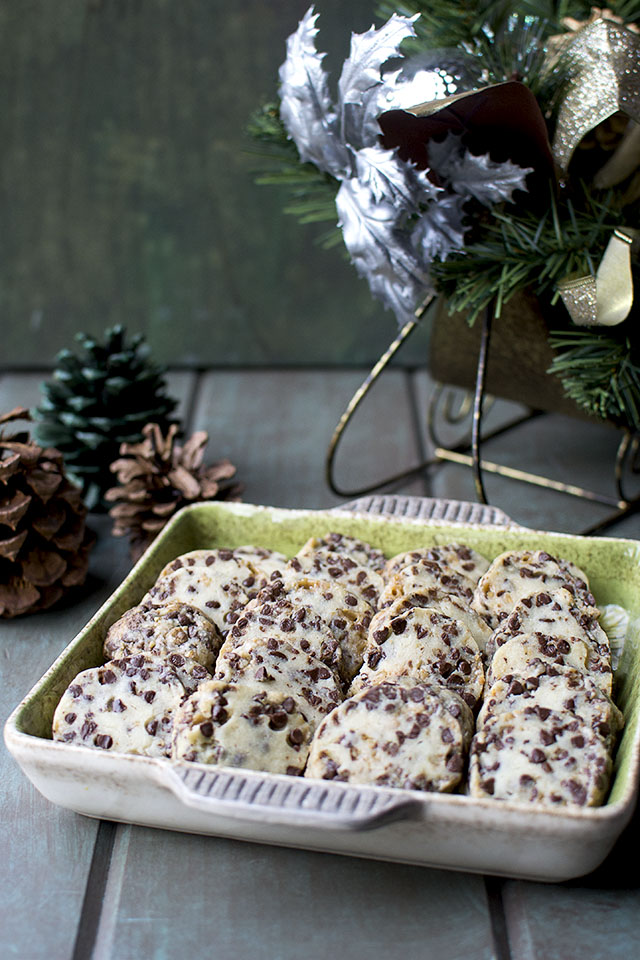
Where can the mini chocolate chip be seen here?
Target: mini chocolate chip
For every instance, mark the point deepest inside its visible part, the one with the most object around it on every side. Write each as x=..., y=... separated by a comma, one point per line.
x=103, y=740
x=206, y=728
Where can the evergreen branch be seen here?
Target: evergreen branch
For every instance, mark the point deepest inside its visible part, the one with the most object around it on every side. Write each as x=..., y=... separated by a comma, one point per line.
x=517, y=250
x=599, y=373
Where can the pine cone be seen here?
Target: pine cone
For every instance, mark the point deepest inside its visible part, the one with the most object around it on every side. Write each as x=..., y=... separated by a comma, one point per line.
x=97, y=402
x=157, y=477
x=44, y=544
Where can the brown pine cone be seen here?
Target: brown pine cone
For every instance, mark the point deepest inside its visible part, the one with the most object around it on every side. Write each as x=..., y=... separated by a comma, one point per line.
x=158, y=476
x=44, y=543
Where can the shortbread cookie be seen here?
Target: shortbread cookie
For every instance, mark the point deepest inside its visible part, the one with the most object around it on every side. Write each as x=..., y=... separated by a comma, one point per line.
x=242, y=725
x=566, y=691
x=529, y=653
x=297, y=622
x=456, y=556
x=268, y=562
x=214, y=581
x=358, y=550
x=273, y=662
x=126, y=706
x=338, y=568
x=393, y=735
x=520, y=573
x=426, y=579
x=428, y=647
x=556, y=614
x=554, y=761
x=453, y=607
x=163, y=629
x=347, y=615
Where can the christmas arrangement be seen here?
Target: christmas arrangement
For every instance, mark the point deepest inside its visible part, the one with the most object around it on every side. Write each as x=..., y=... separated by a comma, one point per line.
x=474, y=150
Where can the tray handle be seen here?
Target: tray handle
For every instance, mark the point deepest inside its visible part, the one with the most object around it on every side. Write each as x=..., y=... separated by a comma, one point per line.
x=286, y=801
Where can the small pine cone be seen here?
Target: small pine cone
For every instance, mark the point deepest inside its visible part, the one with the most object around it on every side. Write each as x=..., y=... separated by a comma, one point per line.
x=44, y=543
x=159, y=476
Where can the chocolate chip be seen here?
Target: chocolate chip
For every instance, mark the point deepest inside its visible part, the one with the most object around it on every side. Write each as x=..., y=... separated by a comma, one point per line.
x=103, y=740
x=537, y=756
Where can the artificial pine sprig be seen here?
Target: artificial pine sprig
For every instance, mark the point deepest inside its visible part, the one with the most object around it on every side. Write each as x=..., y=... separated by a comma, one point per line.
x=599, y=372
x=519, y=249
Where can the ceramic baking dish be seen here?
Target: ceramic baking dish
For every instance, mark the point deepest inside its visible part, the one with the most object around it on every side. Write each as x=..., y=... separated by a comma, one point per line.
x=442, y=830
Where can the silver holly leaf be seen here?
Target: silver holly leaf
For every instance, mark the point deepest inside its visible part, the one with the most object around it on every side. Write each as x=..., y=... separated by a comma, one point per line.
x=362, y=90
x=480, y=177
x=306, y=107
x=440, y=229
x=390, y=178
x=381, y=249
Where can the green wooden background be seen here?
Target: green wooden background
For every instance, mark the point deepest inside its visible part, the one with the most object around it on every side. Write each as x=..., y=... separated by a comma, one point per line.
x=128, y=194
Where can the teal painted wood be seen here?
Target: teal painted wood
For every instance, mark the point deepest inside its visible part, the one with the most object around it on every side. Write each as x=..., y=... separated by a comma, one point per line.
x=276, y=428
x=242, y=900
x=573, y=922
x=128, y=187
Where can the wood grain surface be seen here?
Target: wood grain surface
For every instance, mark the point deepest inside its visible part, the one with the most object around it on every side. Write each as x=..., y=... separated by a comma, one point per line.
x=73, y=888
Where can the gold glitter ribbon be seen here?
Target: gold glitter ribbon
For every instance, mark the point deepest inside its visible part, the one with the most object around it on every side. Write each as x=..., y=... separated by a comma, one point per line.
x=607, y=298
x=604, y=61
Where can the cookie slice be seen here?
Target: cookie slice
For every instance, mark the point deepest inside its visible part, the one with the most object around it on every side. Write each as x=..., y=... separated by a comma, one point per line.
x=455, y=556
x=214, y=581
x=242, y=725
x=521, y=573
x=556, y=614
x=450, y=606
x=347, y=615
x=358, y=550
x=338, y=568
x=426, y=579
x=427, y=646
x=393, y=735
x=268, y=562
x=530, y=653
x=163, y=629
x=274, y=663
x=297, y=622
x=125, y=706
x=565, y=691
x=554, y=760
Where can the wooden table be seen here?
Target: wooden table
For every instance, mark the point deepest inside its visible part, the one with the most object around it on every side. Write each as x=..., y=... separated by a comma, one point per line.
x=72, y=887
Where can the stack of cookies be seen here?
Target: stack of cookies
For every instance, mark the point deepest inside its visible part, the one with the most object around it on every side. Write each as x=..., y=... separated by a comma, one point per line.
x=408, y=720
x=342, y=665
x=547, y=726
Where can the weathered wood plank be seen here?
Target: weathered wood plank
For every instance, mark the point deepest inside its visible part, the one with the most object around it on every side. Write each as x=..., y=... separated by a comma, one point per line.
x=244, y=900
x=40, y=920
x=276, y=427
x=571, y=922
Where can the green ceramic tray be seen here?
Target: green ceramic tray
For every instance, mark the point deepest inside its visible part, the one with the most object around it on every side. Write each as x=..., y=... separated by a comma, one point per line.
x=445, y=830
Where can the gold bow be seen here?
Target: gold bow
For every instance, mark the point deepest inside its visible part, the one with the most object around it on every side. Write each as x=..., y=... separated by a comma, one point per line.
x=604, y=62
x=606, y=298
